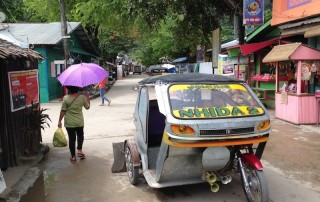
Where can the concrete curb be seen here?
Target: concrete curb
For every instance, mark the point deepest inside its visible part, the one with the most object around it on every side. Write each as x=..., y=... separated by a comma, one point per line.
x=31, y=177
x=24, y=186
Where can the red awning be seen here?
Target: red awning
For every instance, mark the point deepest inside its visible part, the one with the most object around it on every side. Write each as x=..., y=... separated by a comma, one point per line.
x=253, y=47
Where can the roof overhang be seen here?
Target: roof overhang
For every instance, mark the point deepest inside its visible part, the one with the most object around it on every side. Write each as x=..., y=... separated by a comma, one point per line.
x=312, y=31
x=307, y=27
x=293, y=51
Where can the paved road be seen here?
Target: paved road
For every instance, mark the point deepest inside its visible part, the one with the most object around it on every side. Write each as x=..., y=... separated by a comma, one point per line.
x=91, y=179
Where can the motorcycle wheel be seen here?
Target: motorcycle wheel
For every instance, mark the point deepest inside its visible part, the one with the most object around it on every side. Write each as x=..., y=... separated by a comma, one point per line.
x=133, y=172
x=257, y=190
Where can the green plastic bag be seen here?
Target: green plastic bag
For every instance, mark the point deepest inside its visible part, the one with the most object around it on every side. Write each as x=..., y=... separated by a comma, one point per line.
x=59, y=138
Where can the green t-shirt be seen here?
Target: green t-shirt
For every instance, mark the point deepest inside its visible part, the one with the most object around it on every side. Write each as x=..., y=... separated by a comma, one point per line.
x=74, y=117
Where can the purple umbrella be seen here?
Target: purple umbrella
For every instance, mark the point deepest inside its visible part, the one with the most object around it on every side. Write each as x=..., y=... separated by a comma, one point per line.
x=82, y=75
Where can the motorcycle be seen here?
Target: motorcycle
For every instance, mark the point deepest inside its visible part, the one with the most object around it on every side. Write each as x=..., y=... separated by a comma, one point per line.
x=196, y=128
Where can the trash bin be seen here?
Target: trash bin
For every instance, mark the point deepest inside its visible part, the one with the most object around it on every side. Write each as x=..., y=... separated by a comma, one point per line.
x=119, y=72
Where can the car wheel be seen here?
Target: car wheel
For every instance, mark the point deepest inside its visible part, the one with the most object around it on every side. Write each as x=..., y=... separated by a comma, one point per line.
x=133, y=171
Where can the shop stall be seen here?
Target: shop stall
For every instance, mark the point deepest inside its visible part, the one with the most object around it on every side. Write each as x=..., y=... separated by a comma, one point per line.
x=296, y=101
x=237, y=67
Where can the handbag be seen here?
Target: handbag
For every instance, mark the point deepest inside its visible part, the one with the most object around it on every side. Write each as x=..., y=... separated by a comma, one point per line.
x=59, y=138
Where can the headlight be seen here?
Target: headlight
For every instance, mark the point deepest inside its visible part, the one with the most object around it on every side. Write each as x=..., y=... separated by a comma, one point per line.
x=182, y=130
x=264, y=125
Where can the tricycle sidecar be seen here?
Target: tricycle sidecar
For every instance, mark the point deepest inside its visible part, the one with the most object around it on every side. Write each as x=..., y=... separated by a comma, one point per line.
x=193, y=128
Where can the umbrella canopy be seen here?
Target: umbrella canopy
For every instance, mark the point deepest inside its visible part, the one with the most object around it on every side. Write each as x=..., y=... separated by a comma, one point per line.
x=82, y=75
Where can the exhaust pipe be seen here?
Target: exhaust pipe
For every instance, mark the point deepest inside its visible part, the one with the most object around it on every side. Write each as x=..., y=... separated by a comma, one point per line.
x=214, y=187
x=211, y=179
x=226, y=179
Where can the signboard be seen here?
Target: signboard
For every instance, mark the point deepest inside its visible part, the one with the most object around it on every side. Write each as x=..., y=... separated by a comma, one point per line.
x=24, y=88
x=253, y=12
x=216, y=44
x=228, y=69
x=206, y=68
x=291, y=10
x=284, y=98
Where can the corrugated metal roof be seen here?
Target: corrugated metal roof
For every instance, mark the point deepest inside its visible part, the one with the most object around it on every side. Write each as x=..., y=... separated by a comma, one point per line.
x=13, y=40
x=300, y=23
x=38, y=33
x=47, y=34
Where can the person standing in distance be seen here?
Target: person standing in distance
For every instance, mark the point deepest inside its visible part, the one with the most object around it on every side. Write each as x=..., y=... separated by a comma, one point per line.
x=71, y=111
x=102, y=87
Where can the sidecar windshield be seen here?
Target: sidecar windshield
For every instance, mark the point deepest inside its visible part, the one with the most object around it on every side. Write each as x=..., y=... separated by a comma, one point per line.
x=194, y=101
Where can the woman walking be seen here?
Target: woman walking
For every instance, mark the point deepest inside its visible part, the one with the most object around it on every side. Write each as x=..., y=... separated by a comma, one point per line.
x=71, y=111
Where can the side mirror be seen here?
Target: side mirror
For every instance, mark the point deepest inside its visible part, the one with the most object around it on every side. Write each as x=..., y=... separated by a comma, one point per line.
x=135, y=87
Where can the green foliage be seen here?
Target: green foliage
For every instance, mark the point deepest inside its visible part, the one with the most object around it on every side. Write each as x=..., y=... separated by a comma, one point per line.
x=167, y=28
x=13, y=10
x=42, y=10
x=154, y=45
x=35, y=120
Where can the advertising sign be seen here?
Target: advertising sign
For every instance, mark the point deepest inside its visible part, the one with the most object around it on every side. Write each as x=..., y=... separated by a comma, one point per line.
x=24, y=88
x=253, y=12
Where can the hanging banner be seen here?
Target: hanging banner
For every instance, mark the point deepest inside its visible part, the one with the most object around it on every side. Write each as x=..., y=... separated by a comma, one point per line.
x=24, y=88
x=253, y=12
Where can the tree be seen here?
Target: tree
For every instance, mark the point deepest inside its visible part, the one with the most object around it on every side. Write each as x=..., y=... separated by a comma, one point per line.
x=188, y=23
x=13, y=10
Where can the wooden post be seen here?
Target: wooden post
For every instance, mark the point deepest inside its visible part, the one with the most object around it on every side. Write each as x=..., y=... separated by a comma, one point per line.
x=277, y=77
x=249, y=72
x=299, y=77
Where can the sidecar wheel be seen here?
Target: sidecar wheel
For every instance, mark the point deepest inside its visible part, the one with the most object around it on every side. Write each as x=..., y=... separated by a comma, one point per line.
x=133, y=171
x=257, y=191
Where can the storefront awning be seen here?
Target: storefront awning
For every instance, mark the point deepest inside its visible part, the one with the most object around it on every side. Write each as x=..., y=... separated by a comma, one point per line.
x=247, y=49
x=313, y=31
x=253, y=47
x=293, y=51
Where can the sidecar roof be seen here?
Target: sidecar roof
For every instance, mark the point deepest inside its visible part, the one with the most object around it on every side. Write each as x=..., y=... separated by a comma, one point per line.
x=188, y=78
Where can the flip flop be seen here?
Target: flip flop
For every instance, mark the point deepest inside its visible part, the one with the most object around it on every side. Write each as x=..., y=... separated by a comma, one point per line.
x=81, y=155
x=73, y=159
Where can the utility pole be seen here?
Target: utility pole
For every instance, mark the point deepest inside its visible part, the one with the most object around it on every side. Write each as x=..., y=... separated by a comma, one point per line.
x=64, y=32
x=239, y=29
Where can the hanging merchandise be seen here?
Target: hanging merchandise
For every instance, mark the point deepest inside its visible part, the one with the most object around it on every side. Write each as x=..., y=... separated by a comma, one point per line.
x=306, y=71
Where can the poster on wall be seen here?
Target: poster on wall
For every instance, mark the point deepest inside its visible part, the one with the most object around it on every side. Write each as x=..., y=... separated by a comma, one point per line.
x=24, y=88
x=228, y=69
x=253, y=12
